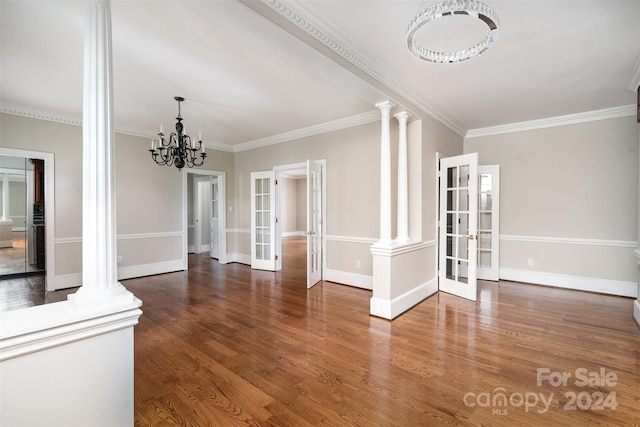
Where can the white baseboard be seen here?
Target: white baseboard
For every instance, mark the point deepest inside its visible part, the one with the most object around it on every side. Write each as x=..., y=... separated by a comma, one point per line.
x=141, y=270
x=390, y=309
x=239, y=258
x=591, y=284
x=293, y=234
x=65, y=281
x=345, y=278
x=20, y=229
x=6, y=243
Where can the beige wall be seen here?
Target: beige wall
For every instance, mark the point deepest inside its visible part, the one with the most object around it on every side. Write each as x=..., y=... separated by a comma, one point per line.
x=288, y=205
x=301, y=206
x=576, y=185
x=352, y=180
x=149, y=211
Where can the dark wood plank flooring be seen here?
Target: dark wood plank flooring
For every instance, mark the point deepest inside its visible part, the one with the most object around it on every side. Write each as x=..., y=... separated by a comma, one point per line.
x=224, y=345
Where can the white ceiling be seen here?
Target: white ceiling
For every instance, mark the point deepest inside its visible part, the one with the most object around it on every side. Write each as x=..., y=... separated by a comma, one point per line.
x=251, y=71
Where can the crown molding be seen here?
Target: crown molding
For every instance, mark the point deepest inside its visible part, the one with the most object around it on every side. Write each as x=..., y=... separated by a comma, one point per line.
x=357, y=120
x=569, y=119
x=313, y=23
x=634, y=79
x=34, y=113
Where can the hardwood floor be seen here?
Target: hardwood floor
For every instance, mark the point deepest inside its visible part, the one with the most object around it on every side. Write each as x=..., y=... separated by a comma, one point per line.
x=224, y=345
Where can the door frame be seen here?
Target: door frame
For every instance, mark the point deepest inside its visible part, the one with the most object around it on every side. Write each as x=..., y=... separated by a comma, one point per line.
x=222, y=235
x=201, y=198
x=455, y=287
x=49, y=207
x=280, y=171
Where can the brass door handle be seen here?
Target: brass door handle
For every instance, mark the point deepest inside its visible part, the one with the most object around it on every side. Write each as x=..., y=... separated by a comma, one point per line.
x=471, y=237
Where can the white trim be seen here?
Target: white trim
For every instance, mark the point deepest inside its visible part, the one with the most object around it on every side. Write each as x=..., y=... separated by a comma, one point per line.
x=142, y=270
x=569, y=119
x=307, y=19
x=46, y=326
x=346, y=278
x=49, y=204
x=591, y=284
x=401, y=249
x=390, y=309
x=570, y=240
x=293, y=234
x=67, y=240
x=636, y=311
x=65, y=281
x=335, y=125
x=238, y=230
x=239, y=258
x=34, y=113
x=73, y=280
x=149, y=235
x=6, y=243
x=350, y=239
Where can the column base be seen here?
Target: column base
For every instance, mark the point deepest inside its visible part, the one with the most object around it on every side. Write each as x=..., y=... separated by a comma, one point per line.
x=90, y=299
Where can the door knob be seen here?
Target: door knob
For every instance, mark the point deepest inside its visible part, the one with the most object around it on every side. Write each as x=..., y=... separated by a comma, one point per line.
x=471, y=237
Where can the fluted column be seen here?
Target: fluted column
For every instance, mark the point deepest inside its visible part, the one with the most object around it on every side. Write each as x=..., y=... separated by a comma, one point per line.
x=403, y=183
x=99, y=267
x=385, y=175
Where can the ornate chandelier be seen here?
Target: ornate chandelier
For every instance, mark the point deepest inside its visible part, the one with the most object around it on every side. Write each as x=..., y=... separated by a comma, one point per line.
x=180, y=150
x=471, y=8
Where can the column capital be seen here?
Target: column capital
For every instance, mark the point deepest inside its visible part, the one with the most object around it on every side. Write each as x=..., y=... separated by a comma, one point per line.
x=385, y=105
x=402, y=115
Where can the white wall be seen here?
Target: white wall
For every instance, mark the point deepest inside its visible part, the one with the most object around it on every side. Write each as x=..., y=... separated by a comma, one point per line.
x=568, y=203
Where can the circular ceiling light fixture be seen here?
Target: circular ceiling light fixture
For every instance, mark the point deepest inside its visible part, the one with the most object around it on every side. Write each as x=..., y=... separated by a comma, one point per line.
x=472, y=8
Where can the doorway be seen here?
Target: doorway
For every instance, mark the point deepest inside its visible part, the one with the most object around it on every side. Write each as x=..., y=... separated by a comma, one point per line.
x=205, y=214
x=272, y=213
x=26, y=232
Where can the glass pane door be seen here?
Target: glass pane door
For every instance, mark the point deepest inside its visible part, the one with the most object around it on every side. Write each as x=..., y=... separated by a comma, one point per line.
x=458, y=230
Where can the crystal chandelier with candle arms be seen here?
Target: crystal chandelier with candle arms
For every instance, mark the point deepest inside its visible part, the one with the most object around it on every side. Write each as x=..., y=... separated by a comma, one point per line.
x=179, y=150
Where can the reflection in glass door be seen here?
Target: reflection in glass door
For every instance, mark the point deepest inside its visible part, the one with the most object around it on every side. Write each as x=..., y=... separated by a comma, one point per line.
x=489, y=222
x=22, y=246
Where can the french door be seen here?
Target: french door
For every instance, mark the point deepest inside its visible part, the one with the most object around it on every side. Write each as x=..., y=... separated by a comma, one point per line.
x=458, y=225
x=263, y=255
x=214, y=251
x=314, y=223
x=489, y=222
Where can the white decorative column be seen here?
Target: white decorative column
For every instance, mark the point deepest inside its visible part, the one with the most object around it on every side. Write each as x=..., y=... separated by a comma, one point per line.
x=6, y=224
x=99, y=266
x=403, y=186
x=75, y=357
x=385, y=175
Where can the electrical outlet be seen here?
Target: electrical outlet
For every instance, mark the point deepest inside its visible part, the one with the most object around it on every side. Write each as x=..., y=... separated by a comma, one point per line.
x=357, y=263
x=119, y=259
x=530, y=262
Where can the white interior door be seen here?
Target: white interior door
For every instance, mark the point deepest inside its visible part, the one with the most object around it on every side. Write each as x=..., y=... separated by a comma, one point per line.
x=489, y=222
x=458, y=225
x=202, y=229
x=263, y=255
x=314, y=223
x=214, y=250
